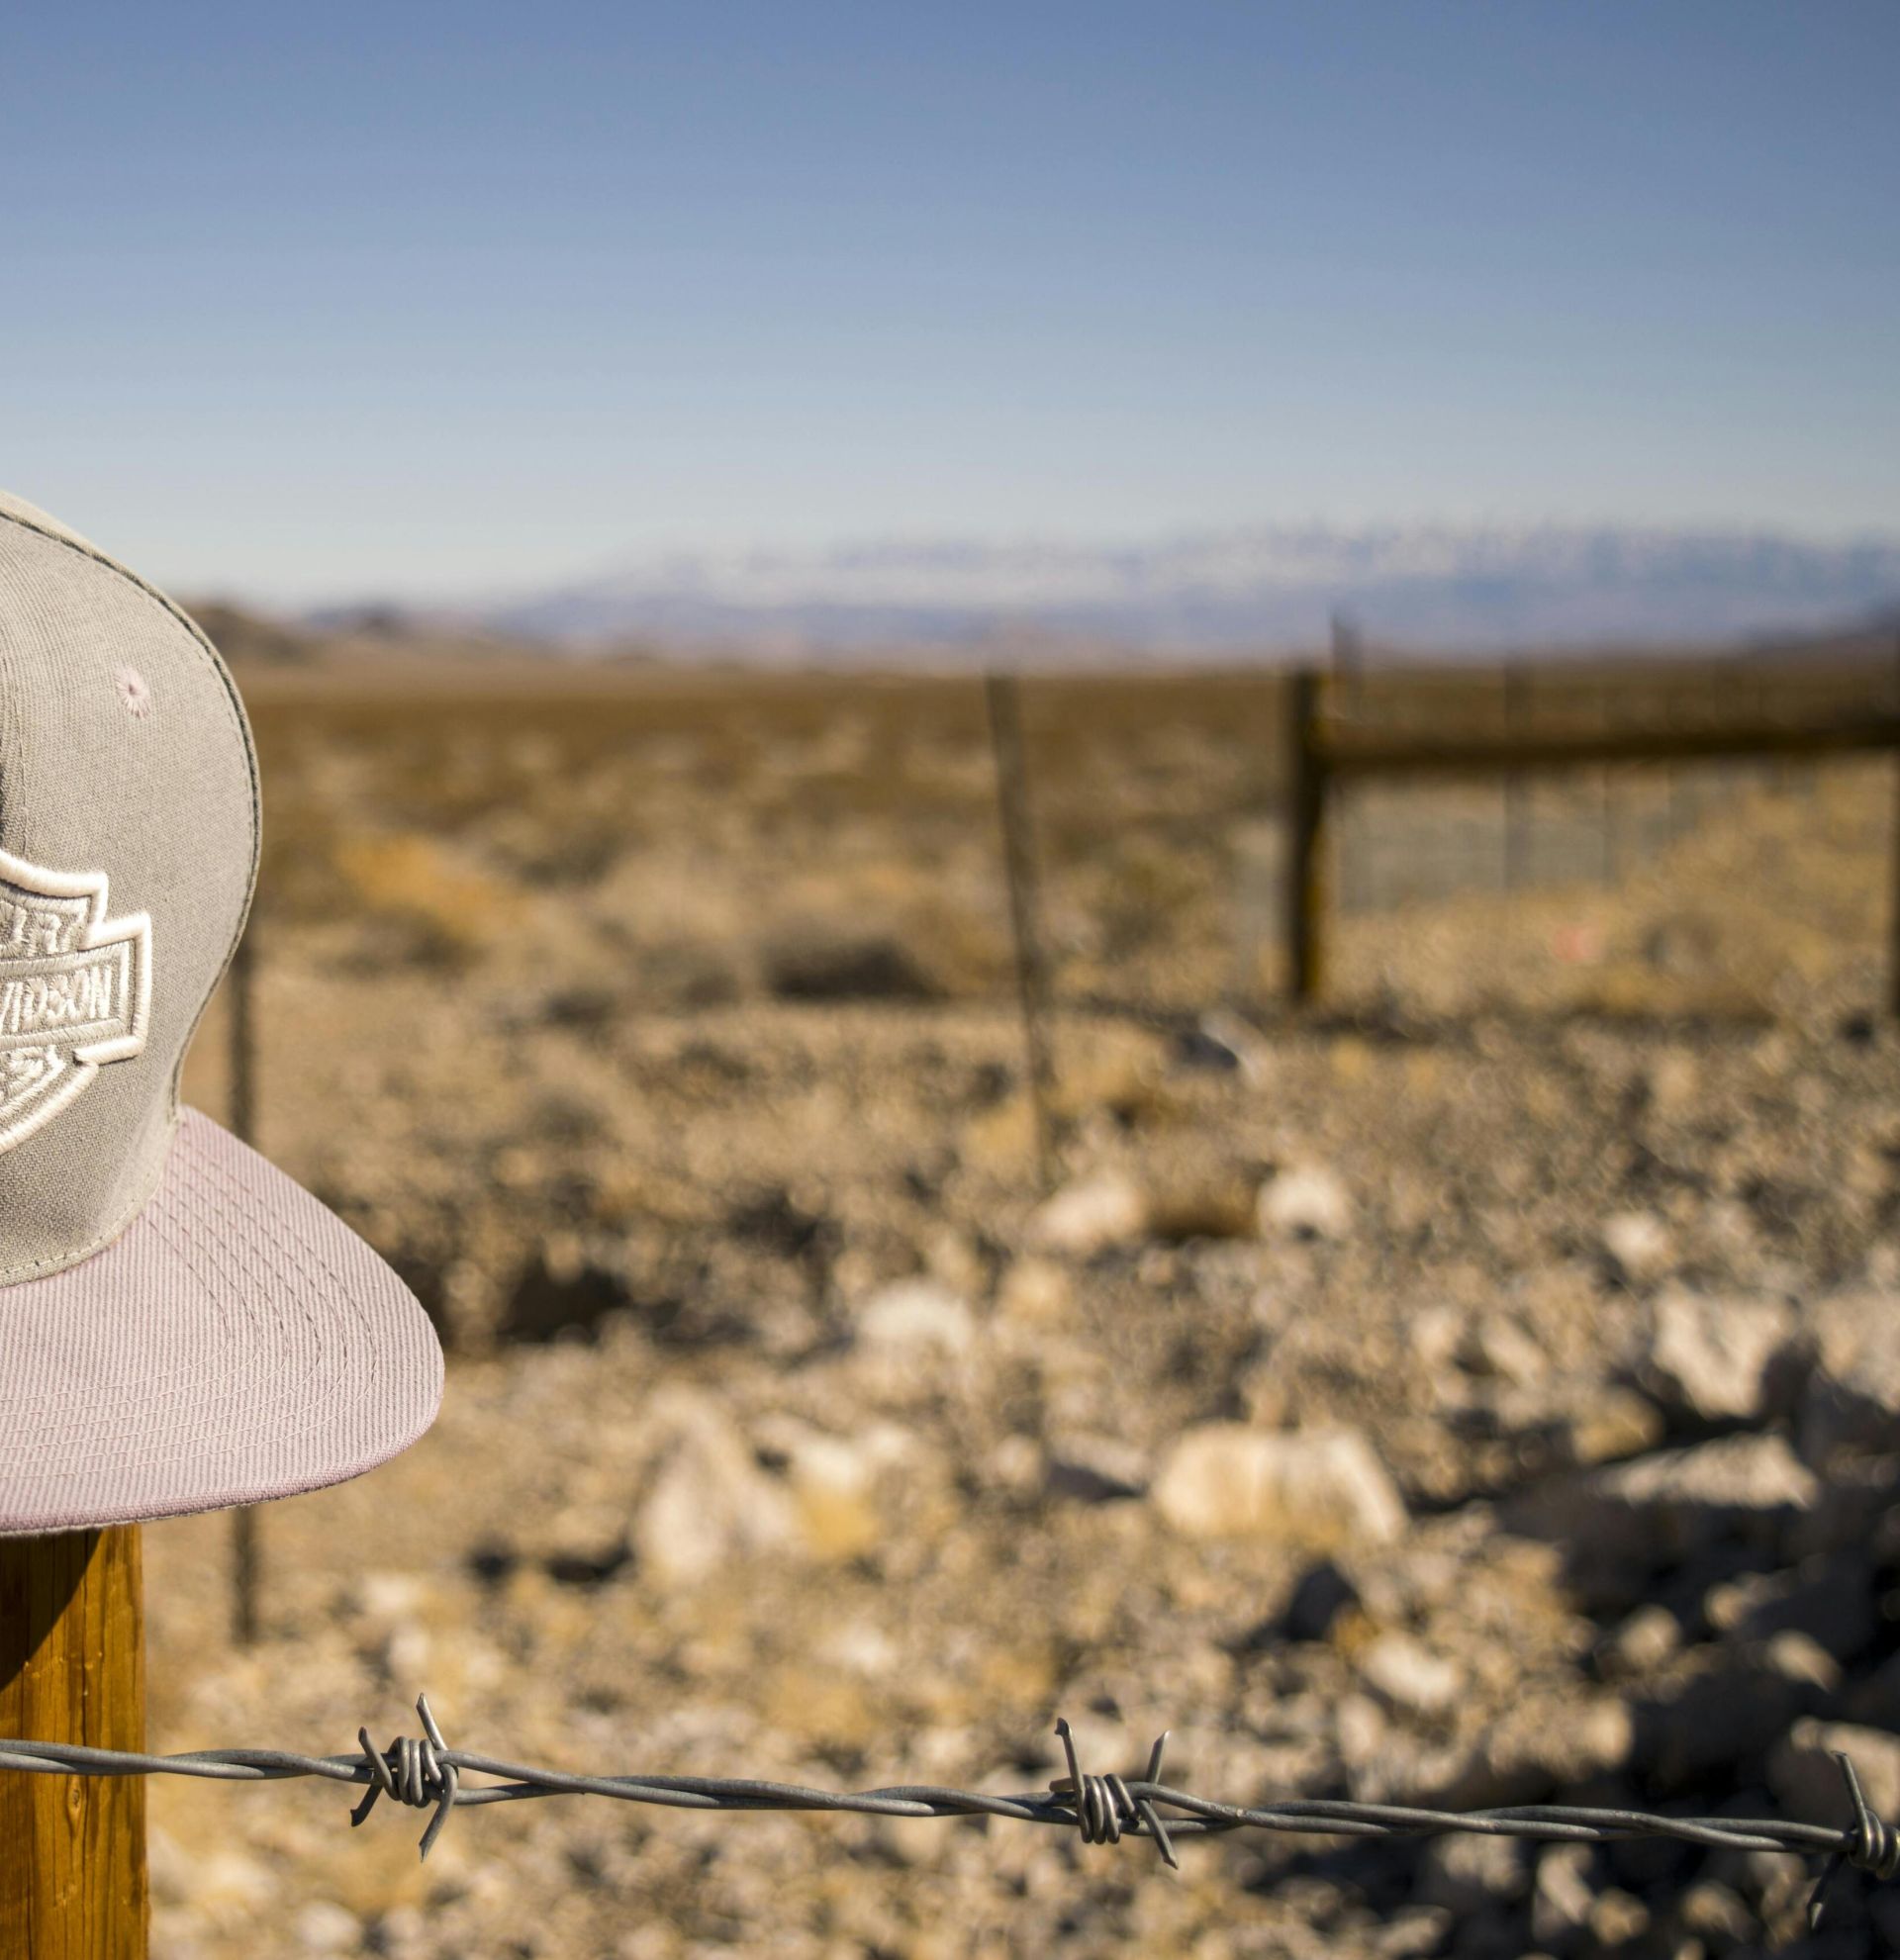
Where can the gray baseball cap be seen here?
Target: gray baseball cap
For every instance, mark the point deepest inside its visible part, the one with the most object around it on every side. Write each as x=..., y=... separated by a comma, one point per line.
x=181, y=1325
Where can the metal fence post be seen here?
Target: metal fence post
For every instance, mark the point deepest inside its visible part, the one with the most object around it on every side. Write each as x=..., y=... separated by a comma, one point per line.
x=73, y=1669
x=242, y=1029
x=1001, y=697
x=1611, y=836
x=1305, y=828
x=1893, y=918
x=1516, y=828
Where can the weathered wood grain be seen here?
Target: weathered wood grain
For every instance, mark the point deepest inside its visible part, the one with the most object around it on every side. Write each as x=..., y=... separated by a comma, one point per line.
x=73, y=1669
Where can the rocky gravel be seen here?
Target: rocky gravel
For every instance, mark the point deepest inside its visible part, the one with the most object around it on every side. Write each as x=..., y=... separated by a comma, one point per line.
x=1444, y=1403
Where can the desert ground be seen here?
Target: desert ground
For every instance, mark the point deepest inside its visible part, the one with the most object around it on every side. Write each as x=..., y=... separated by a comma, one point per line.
x=1477, y=1388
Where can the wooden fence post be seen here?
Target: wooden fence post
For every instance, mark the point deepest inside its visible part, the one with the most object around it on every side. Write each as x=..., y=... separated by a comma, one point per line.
x=73, y=1669
x=1672, y=775
x=1348, y=704
x=1516, y=811
x=1611, y=836
x=1305, y=836
x=243, y=1056
x=1000, y=696
x=1893, y=916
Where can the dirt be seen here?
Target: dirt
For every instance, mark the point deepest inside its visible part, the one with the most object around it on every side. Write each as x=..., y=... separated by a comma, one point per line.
x=670, y=1051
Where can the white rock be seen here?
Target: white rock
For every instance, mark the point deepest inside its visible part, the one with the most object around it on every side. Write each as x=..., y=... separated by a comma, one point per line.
x=1718, y=1915
x=917, y=1314
x=1715, y=1357
x=1229, y=1032
x=1034, y=1292
x=1561, y=1898
x=861, y=1646
x=1852, y=1396
x=1015, y=1466
x=1313, y=1487
x=1618, y=1920
x=1798, y=1656
x=1092, y=1214
x=1543, y=1741
x=1470, y=1875
x=1434, y=1332
x=1500, y=1347
x=1607, y=1425
x=1359, y=1730
x=833, y=1467
x=218, y=1886
x=1639, y=1244
x=389, y=1599
x=1094, y=1467
x=708, y=1502
x=1731, y=1473
x=1415, y=1931
x=835, y=1481
x=324, y=1926
x=1642, y=1643
x=1410, y=1676
x=1803, y=1774
x=1677, y=1502
x=1306, y=1202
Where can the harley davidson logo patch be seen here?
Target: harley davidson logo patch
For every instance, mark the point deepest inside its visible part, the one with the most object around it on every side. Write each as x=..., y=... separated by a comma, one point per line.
x=75, y=990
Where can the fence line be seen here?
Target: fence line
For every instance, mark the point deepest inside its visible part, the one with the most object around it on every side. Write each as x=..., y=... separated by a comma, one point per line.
x=1003, y=700
x=1325, y=751
x=425, y=1773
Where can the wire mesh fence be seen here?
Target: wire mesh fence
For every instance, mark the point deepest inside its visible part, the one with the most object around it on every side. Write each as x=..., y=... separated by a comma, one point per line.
x=817, y=840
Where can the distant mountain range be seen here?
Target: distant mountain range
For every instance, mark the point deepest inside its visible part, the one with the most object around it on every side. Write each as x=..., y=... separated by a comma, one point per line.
x=1430, y=587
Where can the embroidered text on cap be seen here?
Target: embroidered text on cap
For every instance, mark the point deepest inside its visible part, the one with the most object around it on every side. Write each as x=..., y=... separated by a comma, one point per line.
x=75, y=990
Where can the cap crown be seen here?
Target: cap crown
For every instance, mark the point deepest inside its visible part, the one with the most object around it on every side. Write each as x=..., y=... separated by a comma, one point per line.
x=128, y=852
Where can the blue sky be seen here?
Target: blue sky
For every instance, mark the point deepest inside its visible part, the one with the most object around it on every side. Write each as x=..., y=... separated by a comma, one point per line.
x=421, y=299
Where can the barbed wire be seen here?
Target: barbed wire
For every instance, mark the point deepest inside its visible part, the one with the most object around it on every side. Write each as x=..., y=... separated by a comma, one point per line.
x=425, y=1773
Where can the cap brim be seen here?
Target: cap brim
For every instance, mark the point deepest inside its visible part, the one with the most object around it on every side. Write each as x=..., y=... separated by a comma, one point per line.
x=235, y=1343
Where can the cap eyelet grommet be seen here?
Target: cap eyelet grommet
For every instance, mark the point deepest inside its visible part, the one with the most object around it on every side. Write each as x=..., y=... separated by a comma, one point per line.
x=136, y=691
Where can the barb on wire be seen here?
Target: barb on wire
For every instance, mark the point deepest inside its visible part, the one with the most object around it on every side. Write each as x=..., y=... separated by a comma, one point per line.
x=1871, y=1847
x=425, y=1773
x=414, y=1773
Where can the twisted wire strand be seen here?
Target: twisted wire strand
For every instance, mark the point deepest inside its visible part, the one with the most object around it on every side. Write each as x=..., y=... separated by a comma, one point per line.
x=1871, y=1845
x=425, y=1773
